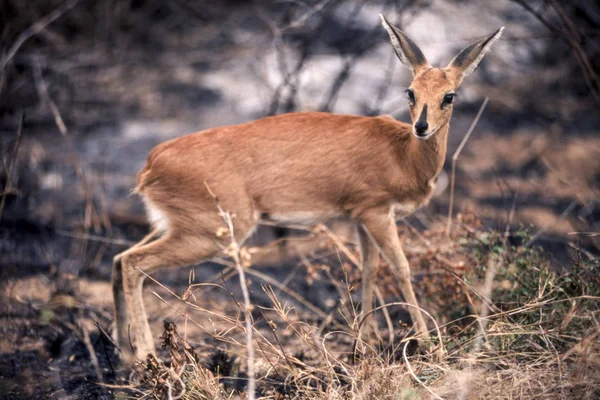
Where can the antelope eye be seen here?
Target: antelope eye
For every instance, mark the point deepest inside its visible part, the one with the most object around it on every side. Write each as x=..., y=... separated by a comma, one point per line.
x=411, y=95
x=448, y=99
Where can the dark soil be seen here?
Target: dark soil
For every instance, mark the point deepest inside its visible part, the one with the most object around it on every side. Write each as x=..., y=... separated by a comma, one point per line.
x=125, y=77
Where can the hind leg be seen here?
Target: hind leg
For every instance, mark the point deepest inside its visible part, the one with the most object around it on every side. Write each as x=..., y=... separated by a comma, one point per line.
x=178, y=247
x=120, y=332
x=168, y=251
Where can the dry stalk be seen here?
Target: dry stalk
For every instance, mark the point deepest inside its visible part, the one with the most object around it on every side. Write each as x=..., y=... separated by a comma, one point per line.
x=340, y=244
x=234, y=251
x=290, y=293
x=482, y=318
x=107, y=336
x=187, y=303
x=34, y=30
x=441, y=350
x=549, y=225
x=415, y=377
x=85, y=336
x=486, y=292
x=73, y=157
x=13, y=161
x=571, y=34
x=95, y=238
x=455, y=158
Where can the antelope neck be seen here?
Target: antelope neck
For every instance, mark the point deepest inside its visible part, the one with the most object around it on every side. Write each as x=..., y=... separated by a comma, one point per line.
x=430, y=154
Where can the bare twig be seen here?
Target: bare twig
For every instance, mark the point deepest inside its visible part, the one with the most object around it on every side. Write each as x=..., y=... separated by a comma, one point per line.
x=73, y=157
x=441, y=349
x=412, y=373
x=588, y=234
x=90, y=348
x=366, y=44
x=385, y=86
x=43, y=92
x=107, y=336
x=543, y=229
x=486, y=291
x=13, y=161
x=569, y=33
x=340, y=244
x=234, y=251
x=34, y=30
x=571, y=36
x=455, y=157
x=289, y=292
x=306, y=16
x=511, y=215
x=95, y=238
x=290, y=79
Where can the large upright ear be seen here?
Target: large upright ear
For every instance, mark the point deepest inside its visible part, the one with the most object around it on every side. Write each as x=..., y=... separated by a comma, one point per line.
x=408, y=52
x=467, y=60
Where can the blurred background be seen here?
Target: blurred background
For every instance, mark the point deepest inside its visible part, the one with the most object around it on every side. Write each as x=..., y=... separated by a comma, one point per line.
x=100, y=83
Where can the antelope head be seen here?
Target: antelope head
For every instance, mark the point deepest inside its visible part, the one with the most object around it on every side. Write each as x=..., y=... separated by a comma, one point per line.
x=433, y=90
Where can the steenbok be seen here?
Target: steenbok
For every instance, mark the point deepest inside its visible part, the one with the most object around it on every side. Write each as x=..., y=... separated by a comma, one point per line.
x=300, y=168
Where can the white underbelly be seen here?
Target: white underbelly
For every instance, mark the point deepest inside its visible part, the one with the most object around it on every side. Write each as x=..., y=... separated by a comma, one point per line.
x=307, y=218
x=405, y=208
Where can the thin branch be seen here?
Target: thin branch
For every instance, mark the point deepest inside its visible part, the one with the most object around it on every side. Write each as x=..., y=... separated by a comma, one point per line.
x=73, y=157
x=566, y=212
x=34, y=30
x=440, y=351
x=569, y=33
x=13, y=161
x=106, y=335
x=344, y=249
x=90, y=348
x=45, y=96
x=95, y=238
x=290, y=80
x=415, y=377
x=572, y=36
x=455, y=157
x=363, y=47
x=234, y=251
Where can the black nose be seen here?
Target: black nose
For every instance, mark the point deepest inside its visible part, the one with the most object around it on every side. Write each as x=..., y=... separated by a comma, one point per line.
x=421, y=127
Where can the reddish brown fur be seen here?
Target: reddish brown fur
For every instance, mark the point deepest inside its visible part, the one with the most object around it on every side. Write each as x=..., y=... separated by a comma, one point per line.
x=309, y=166
x=339, y=164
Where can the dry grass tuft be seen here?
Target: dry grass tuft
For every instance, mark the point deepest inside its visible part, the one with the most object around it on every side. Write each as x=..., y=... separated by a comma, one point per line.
x=511, y=327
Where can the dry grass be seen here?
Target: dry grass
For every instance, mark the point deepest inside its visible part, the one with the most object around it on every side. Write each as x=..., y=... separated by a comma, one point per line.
x=530, y=332
x=511, y=327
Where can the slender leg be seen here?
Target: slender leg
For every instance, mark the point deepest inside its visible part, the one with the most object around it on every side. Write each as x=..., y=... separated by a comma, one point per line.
x=370, y=264
x=168, y=251
x=120, y=333
x=381, y=226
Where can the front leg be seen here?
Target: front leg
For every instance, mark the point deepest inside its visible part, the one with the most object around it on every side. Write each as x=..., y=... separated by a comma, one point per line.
x=370, y=263
x=381, y=226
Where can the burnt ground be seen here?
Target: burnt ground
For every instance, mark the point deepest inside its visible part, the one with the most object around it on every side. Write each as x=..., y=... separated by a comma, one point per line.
x=106, y=82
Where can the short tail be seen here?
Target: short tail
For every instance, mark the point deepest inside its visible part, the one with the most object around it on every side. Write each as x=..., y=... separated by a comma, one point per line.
x=142, y=179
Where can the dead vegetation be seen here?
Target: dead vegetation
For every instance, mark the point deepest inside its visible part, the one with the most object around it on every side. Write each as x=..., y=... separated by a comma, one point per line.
x=509, y=327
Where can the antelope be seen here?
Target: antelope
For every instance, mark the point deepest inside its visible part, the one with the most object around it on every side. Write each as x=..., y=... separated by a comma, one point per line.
x=304, y=168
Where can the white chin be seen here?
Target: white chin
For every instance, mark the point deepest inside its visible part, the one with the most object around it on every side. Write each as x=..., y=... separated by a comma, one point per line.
x=423, y=137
